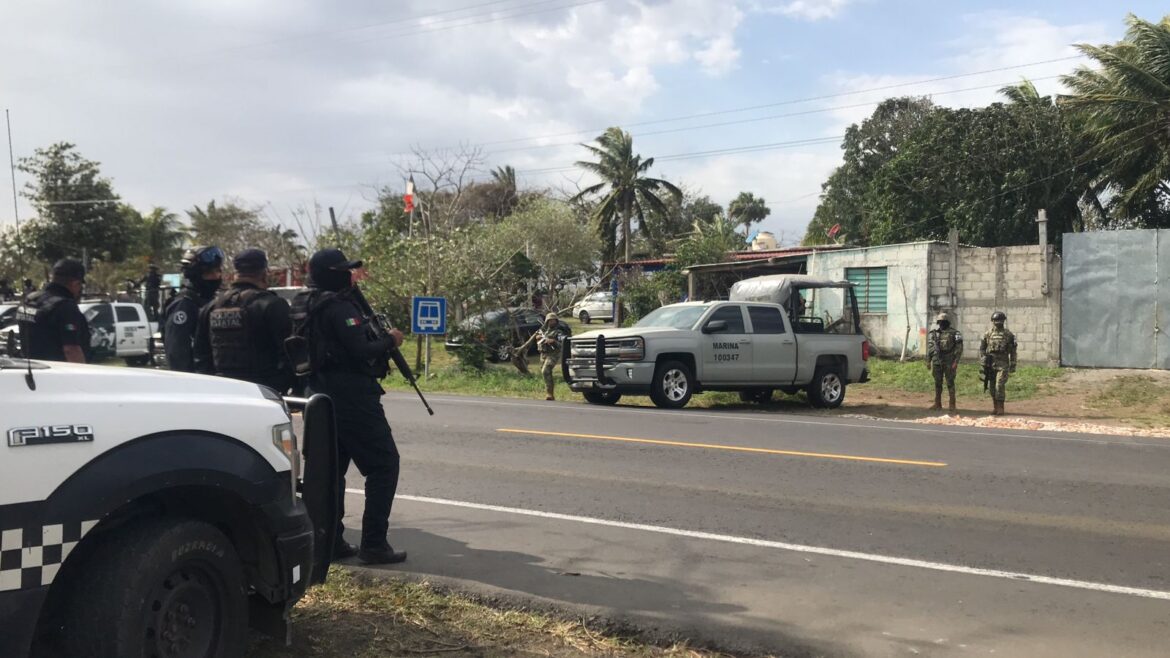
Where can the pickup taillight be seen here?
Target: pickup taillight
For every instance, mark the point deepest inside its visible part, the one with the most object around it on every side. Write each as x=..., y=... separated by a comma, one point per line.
x=865, y=350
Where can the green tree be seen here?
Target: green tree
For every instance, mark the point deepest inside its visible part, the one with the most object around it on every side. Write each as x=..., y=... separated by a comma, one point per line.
x=867, y=147
x=1125, y=102
x=747, y=209
x=77, y=207
x=162, y=236
x=628, y=192
x=561, y=247
x=665, y=228
x=229, y=226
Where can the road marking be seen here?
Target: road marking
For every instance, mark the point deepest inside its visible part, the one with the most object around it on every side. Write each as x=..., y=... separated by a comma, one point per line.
x=801, y=548
x=892, y=425
x=716, y=446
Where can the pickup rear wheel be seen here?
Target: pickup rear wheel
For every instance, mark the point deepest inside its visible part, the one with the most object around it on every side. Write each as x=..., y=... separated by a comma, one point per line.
x=827, y=389
x=672, y=386
x=170, y=587
x=607, y=398
x=584, y=317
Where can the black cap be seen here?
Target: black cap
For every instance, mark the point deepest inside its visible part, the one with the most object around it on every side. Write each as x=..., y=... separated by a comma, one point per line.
x=67, y=268
x=331, y=259
x=250, y=260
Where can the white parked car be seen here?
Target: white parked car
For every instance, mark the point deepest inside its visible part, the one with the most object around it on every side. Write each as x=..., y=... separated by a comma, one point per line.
x=595, y=306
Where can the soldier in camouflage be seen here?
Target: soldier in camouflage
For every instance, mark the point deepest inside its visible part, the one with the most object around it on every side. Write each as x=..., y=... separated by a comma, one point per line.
x=998, y=349
x=549, y=341
x=944, y=348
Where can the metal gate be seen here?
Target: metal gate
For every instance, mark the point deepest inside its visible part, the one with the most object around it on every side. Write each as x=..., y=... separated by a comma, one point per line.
x=1114, y=301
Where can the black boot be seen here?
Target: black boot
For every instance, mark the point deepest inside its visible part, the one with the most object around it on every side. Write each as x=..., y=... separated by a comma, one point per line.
x=383, y=555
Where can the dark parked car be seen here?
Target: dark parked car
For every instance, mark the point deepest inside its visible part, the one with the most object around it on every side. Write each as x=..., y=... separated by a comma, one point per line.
x=498, y=330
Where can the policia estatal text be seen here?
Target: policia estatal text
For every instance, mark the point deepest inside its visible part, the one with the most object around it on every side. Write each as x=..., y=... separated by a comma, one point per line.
x=346, y=359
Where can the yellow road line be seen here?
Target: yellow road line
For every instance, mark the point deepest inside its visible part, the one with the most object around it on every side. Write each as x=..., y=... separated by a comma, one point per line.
x=714, y=446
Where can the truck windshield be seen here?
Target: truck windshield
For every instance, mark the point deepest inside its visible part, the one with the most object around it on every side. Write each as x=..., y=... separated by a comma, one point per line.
x=675, y=317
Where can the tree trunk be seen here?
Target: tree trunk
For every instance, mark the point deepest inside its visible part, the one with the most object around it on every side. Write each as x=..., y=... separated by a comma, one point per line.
x=626, y=231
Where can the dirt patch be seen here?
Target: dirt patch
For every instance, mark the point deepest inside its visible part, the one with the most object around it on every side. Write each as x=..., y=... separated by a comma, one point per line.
x=1127, y=402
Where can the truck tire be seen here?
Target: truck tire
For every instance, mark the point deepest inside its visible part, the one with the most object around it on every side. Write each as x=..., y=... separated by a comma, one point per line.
x=584, y=318
x=827, y=389
x=138, y=361
x=169, y=587
x=758, y=395
x=672, y=386
x=607, y=398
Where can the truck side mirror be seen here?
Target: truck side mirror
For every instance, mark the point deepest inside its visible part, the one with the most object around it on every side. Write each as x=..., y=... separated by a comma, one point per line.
x=715, y=326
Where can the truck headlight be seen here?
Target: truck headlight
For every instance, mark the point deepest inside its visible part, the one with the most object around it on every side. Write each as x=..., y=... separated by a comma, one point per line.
x=630, y=349
x=284, y=438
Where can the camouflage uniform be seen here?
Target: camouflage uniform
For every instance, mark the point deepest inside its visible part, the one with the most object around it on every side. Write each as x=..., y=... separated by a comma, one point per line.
x=550, y=341
x=998, y=348
x=944, y=348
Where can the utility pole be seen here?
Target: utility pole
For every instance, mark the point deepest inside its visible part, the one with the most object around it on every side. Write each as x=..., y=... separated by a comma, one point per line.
x=15, y=205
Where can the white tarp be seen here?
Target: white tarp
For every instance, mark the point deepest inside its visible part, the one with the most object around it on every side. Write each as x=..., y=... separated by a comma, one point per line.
x=777, y=288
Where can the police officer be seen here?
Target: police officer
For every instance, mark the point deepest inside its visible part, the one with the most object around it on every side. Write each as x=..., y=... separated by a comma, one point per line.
x=241, y=333
x=52, y=327
x=202, y=276
x=28, y=288
x=348, y=358
x=153, y=282
x=549, y=341
x=998, y=350
x=944, y=348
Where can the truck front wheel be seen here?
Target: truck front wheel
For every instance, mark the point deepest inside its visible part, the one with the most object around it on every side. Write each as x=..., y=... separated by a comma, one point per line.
x=672, y=386
x=827, y=389
x=170, y=587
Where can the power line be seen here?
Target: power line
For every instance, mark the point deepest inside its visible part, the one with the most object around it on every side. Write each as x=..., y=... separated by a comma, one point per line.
x=796, y=101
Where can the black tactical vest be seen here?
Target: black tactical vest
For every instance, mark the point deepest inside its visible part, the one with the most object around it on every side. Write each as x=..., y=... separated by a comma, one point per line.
x=232, y=329
x=38, y=339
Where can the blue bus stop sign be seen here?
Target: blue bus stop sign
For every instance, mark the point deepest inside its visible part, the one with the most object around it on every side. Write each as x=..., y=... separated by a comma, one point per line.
x=428, y=315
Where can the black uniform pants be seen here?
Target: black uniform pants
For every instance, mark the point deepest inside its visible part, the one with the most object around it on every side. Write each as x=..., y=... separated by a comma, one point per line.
x=364, y=436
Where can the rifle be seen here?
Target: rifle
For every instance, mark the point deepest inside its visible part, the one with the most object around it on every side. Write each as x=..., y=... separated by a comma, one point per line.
x=382, y=327
x=988, y=377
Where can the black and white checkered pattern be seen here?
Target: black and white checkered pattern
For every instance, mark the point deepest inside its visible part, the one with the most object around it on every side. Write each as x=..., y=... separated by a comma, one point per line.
x=31, y=556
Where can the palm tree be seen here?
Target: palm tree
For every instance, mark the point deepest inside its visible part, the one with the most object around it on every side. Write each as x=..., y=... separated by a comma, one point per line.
x=1125, y=106
x=748, y=209
x=628, y=192
x=504, y=195
x=164, y=235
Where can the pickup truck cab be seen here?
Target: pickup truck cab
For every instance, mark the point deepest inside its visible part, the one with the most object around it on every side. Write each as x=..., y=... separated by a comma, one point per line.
x=752, y=344
x=152, y=513
x=120, y=330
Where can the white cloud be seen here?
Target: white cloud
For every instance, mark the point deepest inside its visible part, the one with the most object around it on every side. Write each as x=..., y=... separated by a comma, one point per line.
x=719, y=57
x=809, y=10
x=995, y=40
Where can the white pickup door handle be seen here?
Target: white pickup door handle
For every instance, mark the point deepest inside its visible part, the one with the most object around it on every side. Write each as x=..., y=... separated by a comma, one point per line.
x=788, y=342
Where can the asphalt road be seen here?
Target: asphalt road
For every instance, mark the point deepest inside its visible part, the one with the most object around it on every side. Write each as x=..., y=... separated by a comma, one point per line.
x=805, y=535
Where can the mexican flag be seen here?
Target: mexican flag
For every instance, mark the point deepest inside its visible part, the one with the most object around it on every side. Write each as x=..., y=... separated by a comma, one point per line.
x=408, y=198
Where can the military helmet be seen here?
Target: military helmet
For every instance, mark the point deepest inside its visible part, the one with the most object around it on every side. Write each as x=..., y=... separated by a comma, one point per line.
x=199, y=259
x=551, y=316
x=942, y=317
x=998, y=316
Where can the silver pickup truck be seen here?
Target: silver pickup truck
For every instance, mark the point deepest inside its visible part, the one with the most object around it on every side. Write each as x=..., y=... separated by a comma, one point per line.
x=781, y=332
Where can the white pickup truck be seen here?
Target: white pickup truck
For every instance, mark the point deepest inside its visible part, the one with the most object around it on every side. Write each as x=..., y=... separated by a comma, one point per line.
x=152, y=513
x=782, y=332
x=116, y=330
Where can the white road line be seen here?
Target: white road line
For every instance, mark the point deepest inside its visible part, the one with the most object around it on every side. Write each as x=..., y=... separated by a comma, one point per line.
x=898, y=426
x=799, y=548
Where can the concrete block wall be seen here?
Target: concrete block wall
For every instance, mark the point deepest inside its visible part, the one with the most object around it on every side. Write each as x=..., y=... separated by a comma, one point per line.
x=1008, y=279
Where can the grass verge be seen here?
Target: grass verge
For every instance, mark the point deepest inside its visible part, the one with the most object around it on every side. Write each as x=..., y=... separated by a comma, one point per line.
x=355, y=615
x=913, y=377
x=1139, y=399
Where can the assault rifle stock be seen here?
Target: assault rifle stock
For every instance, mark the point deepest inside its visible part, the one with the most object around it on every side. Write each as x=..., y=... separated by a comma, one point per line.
x=382, y=327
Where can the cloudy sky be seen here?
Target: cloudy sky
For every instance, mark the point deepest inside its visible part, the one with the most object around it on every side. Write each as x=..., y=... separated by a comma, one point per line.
x=287, y=103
